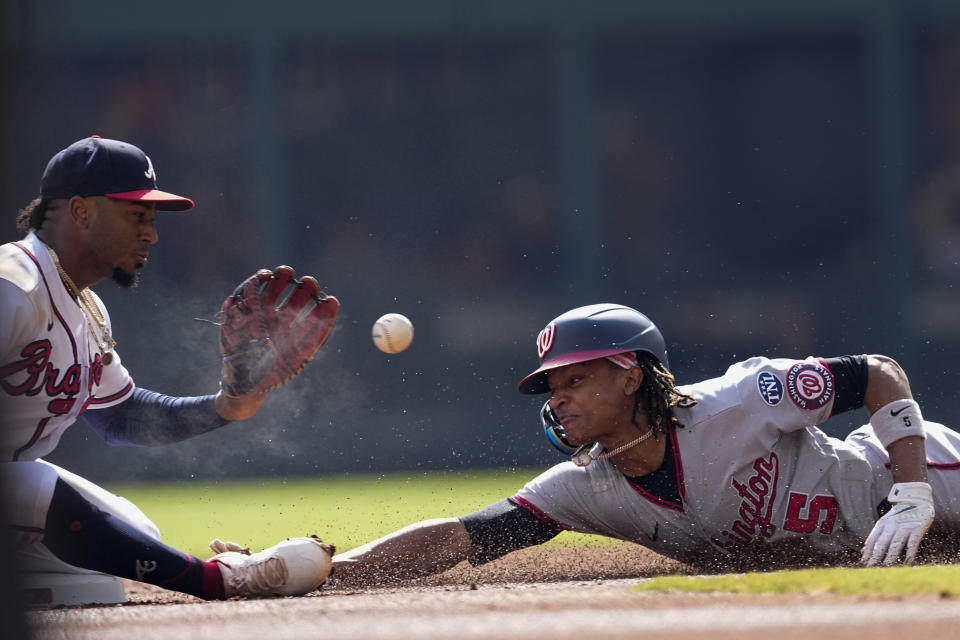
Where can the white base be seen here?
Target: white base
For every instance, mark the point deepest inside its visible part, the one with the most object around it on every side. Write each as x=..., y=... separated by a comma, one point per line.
x=68, y=589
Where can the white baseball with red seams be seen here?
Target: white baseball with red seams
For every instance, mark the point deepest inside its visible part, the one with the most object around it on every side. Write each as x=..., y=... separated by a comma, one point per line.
x=392, y=333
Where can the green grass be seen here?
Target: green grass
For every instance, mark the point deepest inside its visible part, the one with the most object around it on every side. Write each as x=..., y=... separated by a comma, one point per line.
x=346, y=511
x=938, y=579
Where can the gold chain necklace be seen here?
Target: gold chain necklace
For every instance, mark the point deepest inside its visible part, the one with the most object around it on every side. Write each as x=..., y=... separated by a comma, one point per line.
x=610, y=454
x=91, y=312
x=582, y=459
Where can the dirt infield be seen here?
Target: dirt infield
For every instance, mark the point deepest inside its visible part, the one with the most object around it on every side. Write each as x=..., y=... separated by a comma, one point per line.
x=533, y=594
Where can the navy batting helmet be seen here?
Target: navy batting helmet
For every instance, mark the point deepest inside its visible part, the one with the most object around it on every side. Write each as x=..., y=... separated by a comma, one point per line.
x=591, y=332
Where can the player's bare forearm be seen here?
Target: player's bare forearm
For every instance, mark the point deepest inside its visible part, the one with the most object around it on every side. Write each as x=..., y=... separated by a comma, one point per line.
x=239, y=408
x=886, y=382
x=908, y=459
x=419, y=550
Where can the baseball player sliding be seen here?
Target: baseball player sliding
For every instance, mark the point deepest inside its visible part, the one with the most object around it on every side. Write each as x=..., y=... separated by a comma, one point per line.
x=94, y=219
x=730, y=470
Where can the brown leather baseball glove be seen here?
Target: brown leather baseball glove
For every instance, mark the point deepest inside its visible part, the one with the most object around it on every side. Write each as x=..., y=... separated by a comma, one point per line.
x=270, y=328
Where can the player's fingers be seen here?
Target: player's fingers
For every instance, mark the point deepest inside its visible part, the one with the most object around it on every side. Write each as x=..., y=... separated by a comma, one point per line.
x=880, y=546
x=913, y=545
x=895, y=547
x=916, y=537
x=867, y=552
x=220, y=546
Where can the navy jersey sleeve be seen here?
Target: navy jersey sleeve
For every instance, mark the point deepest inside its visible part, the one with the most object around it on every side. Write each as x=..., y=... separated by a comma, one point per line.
x=148, y=418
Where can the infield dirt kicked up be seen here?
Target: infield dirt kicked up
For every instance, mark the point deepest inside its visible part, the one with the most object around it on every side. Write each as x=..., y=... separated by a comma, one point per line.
x=538, y=593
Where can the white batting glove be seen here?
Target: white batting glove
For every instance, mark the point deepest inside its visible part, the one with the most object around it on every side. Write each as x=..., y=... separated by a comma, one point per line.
x=903, y=526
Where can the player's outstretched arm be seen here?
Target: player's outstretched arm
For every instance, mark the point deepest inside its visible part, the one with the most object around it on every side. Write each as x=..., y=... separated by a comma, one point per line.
x=897, y=422
x=419, y=550
x=433, y=546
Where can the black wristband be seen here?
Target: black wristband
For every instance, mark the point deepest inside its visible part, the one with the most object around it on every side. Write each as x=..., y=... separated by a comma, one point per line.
x=849, y=380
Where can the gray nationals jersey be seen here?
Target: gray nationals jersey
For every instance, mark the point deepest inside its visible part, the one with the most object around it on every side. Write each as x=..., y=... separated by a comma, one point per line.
x=748, y=468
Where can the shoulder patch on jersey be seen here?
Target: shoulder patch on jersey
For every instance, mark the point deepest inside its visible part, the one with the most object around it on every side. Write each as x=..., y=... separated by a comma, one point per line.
x=810, y=385
x=770, y=387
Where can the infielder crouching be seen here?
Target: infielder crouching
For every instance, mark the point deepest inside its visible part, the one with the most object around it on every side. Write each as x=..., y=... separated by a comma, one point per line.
x=94, y=219
x=729, y=471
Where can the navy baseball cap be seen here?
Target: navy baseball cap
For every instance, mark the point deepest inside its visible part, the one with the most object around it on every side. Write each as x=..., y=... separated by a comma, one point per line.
x=98, y=166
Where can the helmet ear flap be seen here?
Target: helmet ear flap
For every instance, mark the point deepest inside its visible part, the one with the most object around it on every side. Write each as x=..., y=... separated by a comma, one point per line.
x=554, y=430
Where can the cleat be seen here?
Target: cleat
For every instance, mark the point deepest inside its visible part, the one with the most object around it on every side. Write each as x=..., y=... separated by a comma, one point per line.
x=293, y=567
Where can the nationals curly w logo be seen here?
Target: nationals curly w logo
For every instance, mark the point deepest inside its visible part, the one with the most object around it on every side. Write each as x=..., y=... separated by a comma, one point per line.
x=545, y=339
x=810, y=386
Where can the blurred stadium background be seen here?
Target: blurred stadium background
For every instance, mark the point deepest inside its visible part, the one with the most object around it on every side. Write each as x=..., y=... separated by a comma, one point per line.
x=761, y=178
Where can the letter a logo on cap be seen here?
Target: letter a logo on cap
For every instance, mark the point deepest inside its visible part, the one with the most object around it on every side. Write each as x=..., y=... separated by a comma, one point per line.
x=545, y=339
x=149, y=173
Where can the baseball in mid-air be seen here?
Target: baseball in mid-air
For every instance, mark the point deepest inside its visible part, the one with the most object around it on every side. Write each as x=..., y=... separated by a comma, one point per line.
x=392, y=333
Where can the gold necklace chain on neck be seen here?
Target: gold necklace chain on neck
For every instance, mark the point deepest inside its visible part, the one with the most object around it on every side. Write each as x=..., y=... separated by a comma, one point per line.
x=91, y=311
x=583, y=458
x=621, y=449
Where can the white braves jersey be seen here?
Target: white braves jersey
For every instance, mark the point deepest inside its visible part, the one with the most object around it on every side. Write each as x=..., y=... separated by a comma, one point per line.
x=748, y=468
x=50, y=367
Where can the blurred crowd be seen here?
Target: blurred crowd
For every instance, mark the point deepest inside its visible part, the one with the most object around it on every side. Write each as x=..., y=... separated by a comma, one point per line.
x=707, y=160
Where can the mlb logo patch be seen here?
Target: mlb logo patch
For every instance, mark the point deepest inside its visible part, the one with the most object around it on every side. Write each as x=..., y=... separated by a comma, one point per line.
x=770, y=387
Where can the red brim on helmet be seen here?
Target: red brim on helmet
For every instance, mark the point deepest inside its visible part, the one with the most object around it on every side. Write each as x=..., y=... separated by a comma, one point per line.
x=536, y=382
x=165, y=201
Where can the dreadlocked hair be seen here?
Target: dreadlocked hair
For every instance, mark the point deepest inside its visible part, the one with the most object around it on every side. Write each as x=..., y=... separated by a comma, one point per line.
x=658, y=395
x=31, y=216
